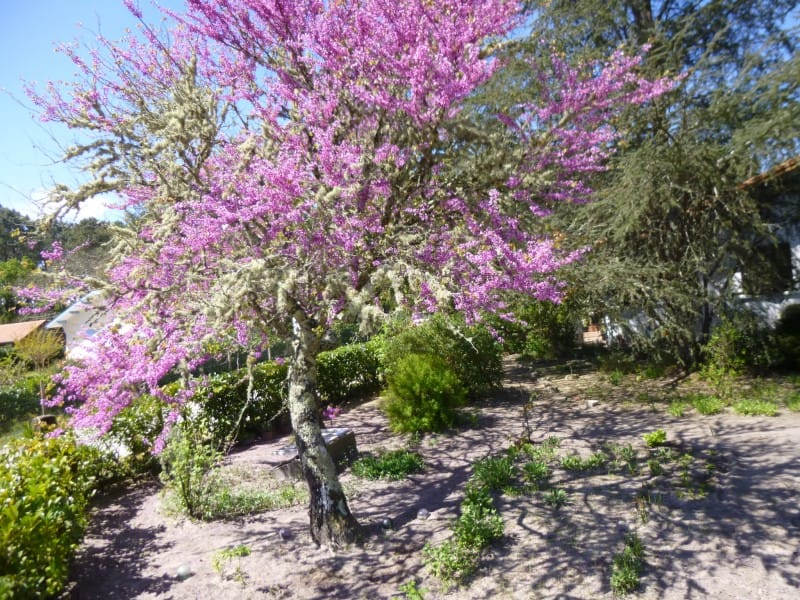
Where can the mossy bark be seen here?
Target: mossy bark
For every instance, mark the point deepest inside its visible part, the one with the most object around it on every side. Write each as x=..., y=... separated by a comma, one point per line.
x=331, y=522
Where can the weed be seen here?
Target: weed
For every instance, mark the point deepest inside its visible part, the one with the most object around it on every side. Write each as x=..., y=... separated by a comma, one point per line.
x=410, y=590
x=392, y=465
x=494, y=473
x=546, y=451
x=573, y=462
x=763, y=408
x=677, y=408
x=536, y=472
x=707, y=405
x=556, y=498
x=655, y=467
x=624, y=457
x=793, y=402
x=616, y=377
x=627, y=566
x=222, y=557
x=656, y=438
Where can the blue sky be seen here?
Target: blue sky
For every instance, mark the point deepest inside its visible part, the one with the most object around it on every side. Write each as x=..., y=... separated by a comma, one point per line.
x=29, y=32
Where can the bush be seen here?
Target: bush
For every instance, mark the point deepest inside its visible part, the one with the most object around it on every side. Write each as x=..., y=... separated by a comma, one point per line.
x=186, y=462
x=423, y=394
x=348, y=371
x=45, y=485
x=18, y=401
x=471, y=352
x=224, y=395
x=545, y=330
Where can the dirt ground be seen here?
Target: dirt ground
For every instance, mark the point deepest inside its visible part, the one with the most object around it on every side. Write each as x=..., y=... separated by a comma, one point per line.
x=738, y=539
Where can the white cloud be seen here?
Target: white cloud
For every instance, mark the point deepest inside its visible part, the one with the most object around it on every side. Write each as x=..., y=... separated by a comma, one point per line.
x=37, y=206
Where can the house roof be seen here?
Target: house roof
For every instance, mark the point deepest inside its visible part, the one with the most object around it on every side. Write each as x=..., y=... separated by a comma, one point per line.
x=778, y=170
x=13, y=332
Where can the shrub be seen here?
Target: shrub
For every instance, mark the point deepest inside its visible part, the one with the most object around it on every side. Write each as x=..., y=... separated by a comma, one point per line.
x=348, y=371
x=544, y=330
x=756, y=407
x=186, y=463
x=423, y=394
x=393, y=465
x=18, y=401
x=223, y=398
x=469, y=351
x=135, y=428
x=45, y=485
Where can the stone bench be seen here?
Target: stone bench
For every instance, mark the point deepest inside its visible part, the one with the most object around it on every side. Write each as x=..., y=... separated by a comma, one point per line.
x=341, y=443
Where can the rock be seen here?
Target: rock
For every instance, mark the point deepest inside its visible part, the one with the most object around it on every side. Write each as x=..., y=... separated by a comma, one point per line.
x=423, y=514
x=387, y=523
x=183, y=572
x=284, y=534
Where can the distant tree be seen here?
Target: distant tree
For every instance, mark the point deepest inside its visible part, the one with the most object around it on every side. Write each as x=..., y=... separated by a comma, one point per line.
x=296, y=163
x=39, y=348
x=671, y=225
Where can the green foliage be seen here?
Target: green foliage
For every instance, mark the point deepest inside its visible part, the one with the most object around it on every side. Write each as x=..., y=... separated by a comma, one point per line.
x=45, y=485
x=349, y=371
x=410, y=590
x=186, y=464
x=392, y=465
x=793, y=402
x=494, y=472
x=543, y=330
x=423, y=394
x=556, y=498
x=573, y=462
x=628, y=566
x=478, y=526
x=18, y=401
x=222, y=557
x=224, y=500
x=707, y=405
x=469, y=351
x=756, y=407
x=536, y=472
x=736, y=346
x=655, y=438
x=135, y=428
x=225, y=411
x=677, y=407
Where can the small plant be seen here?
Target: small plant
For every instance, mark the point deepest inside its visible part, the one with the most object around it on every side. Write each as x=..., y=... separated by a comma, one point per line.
x=656, y=438
x=627, y=566
x=393, y=465
x=616, y=377
x=624, y=457
x=536, y=472
x=573, y=462
x=793, y=402
x=494, y=473
x=556, y=498
x=222, y=557
x=707, y=405
x=655, y=467
x=763, y=408
x=677, y=408
x=410, y=590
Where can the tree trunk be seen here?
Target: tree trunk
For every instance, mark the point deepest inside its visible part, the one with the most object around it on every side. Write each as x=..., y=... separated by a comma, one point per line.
x=331, y=522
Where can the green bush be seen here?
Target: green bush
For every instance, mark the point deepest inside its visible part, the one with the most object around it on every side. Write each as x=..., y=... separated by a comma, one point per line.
x=544, y=330
x=186, y=464
x=18, y=401
x=471, y=352
x=45, y=485
x=135, y=428
x=494, y=472
x=349, y=371
x=423, y=394
x=224, y=395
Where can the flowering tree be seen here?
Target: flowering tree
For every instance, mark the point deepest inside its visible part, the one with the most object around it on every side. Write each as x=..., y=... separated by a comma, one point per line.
x=290, y=163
